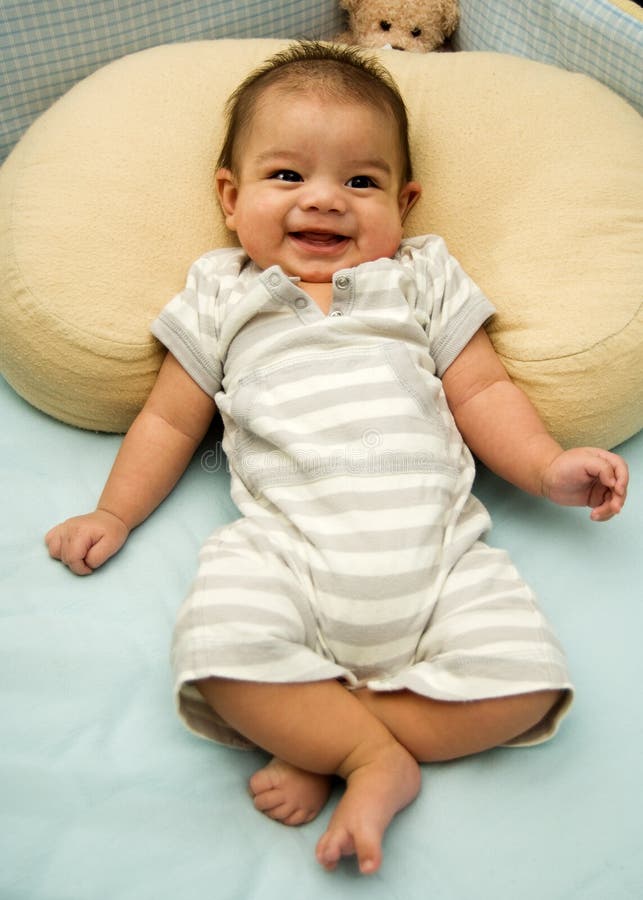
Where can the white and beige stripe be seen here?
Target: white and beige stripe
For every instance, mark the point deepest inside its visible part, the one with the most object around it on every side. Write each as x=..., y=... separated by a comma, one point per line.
x=358, y=554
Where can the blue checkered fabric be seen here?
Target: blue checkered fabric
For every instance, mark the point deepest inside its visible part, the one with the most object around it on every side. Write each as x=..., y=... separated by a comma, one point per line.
x=590, y=36
x=46, y=46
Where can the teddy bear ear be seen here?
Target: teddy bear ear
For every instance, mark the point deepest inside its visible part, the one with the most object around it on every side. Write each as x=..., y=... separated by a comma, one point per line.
x=349, y=5
x=450, y=17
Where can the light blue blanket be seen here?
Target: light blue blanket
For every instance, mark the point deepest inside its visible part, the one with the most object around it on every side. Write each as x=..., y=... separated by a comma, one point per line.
x=104, y=795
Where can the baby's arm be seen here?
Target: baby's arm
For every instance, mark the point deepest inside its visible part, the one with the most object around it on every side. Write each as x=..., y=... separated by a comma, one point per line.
x=153, y=456
x=502, y=428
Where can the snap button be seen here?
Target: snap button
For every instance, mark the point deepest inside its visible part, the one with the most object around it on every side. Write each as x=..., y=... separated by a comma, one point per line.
x=343, y=281
x=336, y=313
x=301, y=303
x=274, y=279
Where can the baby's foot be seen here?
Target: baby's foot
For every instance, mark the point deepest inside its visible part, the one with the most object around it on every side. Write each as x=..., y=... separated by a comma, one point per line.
x=375, y=792
x=289, y=795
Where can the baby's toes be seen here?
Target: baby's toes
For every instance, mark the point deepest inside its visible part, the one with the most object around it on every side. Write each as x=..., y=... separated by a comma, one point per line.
x=332, y=846
x=299, y=817
x=261, y=781
x=269, y=801
x=290, y=795
x=280, y=813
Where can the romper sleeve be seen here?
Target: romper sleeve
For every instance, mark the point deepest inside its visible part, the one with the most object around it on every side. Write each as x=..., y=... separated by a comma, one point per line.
x=450, y=305
x=188, y=325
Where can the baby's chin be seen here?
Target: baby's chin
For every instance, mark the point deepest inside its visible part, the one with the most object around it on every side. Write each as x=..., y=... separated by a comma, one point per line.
x=315, y=257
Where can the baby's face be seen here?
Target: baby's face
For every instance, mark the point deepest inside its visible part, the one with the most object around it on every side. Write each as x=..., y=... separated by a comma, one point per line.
x=319, y=186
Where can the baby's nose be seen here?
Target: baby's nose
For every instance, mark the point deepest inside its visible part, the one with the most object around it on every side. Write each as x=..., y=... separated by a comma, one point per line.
x=323, y=196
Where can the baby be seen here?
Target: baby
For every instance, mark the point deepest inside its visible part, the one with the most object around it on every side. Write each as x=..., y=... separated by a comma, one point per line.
x=351, y=622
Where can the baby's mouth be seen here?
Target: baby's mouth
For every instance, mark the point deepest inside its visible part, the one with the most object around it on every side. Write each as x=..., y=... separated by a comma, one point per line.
x=322, y=240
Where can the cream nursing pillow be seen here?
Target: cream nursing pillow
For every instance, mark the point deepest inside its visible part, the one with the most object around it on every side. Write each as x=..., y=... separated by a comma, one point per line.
x=533, y=175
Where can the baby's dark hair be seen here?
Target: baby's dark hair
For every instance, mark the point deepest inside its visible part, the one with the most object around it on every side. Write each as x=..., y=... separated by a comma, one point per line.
x=342, y=73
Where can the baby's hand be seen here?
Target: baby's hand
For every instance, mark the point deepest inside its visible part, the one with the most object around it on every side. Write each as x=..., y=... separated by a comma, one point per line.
x=588, y=477
x=85, y=542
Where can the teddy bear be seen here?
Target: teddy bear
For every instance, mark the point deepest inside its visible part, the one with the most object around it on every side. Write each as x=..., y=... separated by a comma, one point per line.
x=419, y=25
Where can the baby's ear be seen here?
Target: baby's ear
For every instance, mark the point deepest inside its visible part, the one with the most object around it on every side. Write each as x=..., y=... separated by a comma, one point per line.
x=227, y=193
x=409, y=195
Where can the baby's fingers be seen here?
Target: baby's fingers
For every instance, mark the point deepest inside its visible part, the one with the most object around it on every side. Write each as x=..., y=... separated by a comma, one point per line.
x=53, y=542
x=605, y=511
x=70, y=545
x=103, y=550
x=610, y=491
x=74, y=551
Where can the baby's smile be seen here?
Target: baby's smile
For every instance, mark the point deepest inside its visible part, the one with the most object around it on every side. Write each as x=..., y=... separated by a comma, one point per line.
x=319, y=241
x=319, y=188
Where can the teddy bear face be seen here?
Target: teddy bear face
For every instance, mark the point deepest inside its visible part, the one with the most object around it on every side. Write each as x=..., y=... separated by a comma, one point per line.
x=418, y=27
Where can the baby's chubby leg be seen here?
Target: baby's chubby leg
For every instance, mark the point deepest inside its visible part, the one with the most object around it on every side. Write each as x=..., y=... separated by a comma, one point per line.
x=436, y=731
x=321, y=728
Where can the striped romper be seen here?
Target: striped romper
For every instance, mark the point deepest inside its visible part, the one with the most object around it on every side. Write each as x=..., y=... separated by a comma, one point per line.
x=358, y=554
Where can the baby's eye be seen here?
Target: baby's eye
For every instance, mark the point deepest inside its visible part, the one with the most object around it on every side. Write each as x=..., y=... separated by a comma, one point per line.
x=287, y=175
x=360, y=181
